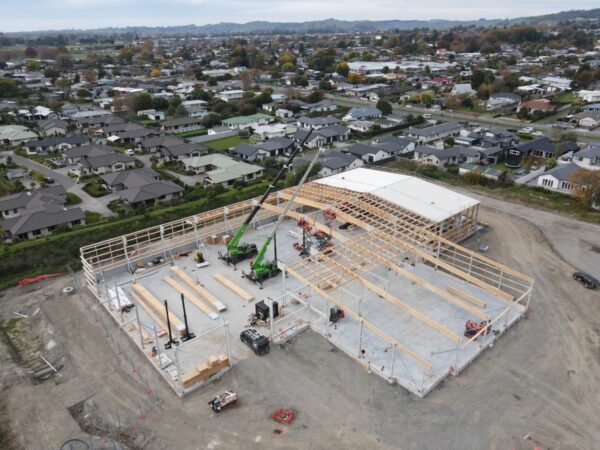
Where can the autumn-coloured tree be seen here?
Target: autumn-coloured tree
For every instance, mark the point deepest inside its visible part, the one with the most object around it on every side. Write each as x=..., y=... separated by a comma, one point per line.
x=587, y=186
x=355, y=78
x=155, y=73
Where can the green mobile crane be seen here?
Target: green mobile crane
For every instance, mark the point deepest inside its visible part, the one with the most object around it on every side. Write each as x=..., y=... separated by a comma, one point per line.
x=261, y=270
x=238, y=251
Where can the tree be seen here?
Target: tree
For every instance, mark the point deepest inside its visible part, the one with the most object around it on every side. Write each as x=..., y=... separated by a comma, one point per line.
x=587, y=188
x=160, y=103
x=384, y=107
x=83, y=93
x=180, y=111
x=8, y=88
x=355, y=78
x=315, y=96
x=142, y=101
x=323, y=60
x=427, y=98
x=343, y=69
x=89, y=76
x=30, y=52
x=32, y=66
x=210, y=120
x=155, y=73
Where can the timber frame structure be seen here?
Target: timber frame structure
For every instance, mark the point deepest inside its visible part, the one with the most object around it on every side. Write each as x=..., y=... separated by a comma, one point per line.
x=386, y=238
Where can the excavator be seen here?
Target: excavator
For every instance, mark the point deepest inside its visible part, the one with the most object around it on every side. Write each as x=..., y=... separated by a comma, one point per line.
x=260, y=269
x=238, y=251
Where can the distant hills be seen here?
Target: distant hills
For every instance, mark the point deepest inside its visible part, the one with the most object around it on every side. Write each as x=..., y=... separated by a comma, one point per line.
x=333, y=25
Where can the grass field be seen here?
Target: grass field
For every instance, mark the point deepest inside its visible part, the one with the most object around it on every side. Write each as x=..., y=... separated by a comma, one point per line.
x=226, y=143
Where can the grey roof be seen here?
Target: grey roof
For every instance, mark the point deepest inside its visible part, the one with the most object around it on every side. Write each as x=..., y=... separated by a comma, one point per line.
x=546, y=145
x=75, y=139
x=95, y=162
x=332, y=131
x=507, y=95
x=150, y=191
x=448, y=153
x=399, y=143
x=131, y=178
x=185, y=148
x=245, y=150
x=31, y=199
x=182, y=121
x=336, y=160
x=40, y=218
x=88, y=151
x=563, y=172
x=318, y=121
x=121, y=126
x=165, y=141
x=435, y=129
x=138, y=133
x=364, y=112
x=52, y=123
x=591, y=152
x=275, y=144
x=361, y=149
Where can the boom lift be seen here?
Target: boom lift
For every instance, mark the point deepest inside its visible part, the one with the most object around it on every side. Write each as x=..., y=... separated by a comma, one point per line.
x=237, y=251
x=261, y=270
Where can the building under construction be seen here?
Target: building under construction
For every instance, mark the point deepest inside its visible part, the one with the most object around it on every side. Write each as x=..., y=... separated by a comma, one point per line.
x=380, y=247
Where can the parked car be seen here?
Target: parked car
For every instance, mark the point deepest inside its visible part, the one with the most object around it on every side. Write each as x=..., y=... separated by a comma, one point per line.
x=256, y=341
x=49, y=180
x=130, y=152
x=587, y=280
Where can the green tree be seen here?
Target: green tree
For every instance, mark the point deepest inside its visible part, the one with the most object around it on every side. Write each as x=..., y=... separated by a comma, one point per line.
x=142, y=101
x=384, y=107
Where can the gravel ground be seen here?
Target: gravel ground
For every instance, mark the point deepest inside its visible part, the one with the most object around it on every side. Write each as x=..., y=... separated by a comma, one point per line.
x=538, y=387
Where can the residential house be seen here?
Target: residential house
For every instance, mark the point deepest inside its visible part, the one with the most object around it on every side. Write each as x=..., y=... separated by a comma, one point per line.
x=155, y=143
x=322, y=106
x=593, y=107
x=370, y=154
x=588, y=158
x=395, y=145
x=463, y=89
x=182, y=125
x=323, y=136
x=434, y=133
x=152, y=114
x=40, y=221
x=559, y=178
x=361, y=126
x=271, y=148
x=234, y=94
x=284, y=113
x=589, y=96
x=109, y=162
x=15, y=135
x=444, y=158
x=265, y=132
x=503, y=101
x=196, y=111
x=133, y=136
x=220, y=169
x=182, y=151
x=539, y=149
x=336, y=162
x=55, y=143
x=362, y=114
x=542, y=105
x=53, y=127
x=316, y=123
x=75, y=154
x=15, y=204
x=588, y=119
x=141, y=186
x=242, y=122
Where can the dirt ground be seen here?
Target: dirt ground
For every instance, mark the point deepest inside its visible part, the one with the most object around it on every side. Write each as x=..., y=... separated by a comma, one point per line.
x=539, y=387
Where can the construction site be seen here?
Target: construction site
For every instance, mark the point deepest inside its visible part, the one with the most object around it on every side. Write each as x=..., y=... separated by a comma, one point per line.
x=370, y=260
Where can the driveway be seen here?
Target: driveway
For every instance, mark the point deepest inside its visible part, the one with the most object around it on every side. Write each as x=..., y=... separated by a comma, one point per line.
x=88, y=203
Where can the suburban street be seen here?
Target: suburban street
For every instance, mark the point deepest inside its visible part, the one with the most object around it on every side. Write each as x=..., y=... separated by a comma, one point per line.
x=88, y=203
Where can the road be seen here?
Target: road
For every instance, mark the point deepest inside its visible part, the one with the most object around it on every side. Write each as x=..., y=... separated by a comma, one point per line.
x=88, y=203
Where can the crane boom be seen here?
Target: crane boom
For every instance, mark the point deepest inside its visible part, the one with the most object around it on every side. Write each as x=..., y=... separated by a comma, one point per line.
x=236, y=251
x=259, y=270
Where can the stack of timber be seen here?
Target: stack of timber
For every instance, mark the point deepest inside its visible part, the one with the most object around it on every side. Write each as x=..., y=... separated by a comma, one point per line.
x=213, y=365
x=233, y=287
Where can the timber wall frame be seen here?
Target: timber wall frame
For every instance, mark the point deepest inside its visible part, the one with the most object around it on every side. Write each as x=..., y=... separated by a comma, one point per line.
x=386, y=234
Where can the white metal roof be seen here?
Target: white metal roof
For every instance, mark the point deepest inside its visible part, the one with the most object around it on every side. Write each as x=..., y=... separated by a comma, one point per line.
x=429, y=200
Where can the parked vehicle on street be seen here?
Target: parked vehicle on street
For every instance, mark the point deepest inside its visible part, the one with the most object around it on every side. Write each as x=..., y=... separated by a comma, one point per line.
x=587, y=280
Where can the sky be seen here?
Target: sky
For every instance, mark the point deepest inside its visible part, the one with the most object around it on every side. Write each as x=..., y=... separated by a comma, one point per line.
x=30, y=15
